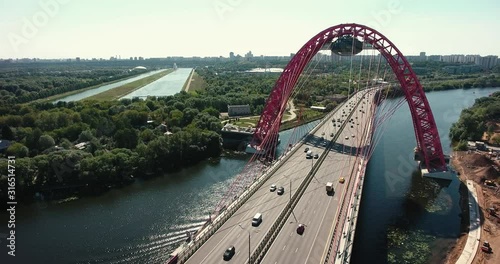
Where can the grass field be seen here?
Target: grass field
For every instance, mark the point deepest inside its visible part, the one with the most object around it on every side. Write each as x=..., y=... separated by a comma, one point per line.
x=125, y=89
x=308, y=115
x=197, y=83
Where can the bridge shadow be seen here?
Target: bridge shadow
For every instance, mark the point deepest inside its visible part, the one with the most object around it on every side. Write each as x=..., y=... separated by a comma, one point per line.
x=318, y=141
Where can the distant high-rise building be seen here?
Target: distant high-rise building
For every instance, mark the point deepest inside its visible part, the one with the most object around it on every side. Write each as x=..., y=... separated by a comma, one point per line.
x=77, y=59
x=434, y=58
x=131, y=58
x=249, y=55
x=471, y=58
x=422, y=56
x=141, y=58
x=487, y=62
x=135, y=58
x=231, y=55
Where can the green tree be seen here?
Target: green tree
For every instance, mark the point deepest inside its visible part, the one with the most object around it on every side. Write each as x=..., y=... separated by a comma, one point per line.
x=176, y=117
x=126, y=138
x=18, y=150
x=45, y=142
x=85, y=136
x=7, y=133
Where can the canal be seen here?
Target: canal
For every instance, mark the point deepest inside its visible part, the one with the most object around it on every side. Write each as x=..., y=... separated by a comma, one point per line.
x=103, y=88
x=170, y=84
x=145, y=221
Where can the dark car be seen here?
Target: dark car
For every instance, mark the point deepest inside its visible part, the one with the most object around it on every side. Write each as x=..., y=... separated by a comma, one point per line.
x=306, y=150
x=281, y=190
x=229, y=253
x=300, y=229
x=316, y=156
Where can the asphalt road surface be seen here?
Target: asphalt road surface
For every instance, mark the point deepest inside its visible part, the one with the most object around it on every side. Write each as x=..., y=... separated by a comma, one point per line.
x=315, y=209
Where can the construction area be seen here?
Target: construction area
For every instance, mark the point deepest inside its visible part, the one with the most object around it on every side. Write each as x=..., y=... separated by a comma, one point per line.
x=482, y=168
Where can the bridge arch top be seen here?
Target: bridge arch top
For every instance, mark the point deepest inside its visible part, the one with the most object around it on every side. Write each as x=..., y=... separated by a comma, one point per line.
x=426, y=132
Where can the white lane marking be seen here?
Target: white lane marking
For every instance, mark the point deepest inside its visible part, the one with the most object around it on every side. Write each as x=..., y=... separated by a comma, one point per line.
x=284, y=247
x=296, y=250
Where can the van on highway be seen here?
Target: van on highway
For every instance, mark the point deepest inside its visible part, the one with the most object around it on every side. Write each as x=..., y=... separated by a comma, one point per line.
x=257, y=219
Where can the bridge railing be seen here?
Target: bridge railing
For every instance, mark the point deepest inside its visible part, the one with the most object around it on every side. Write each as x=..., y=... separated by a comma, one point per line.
x=350, y=229
x=336, y=237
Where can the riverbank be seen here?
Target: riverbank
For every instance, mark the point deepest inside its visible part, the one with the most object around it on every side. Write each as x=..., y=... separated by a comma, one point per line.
x=478, y=167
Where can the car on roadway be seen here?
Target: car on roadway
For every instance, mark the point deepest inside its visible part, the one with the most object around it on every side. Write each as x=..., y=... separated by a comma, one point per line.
x=273, y=188
x=229, y=253
x=281, y=191
x=323, y=144
x=300, y=229
x=316, y=156
x=341, y=180
x=331, y=134
x=306, y=150
x=323, y=133
x=352, y=135
x=346, y=137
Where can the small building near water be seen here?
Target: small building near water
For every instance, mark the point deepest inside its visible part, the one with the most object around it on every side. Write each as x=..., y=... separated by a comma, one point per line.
x=238, y=110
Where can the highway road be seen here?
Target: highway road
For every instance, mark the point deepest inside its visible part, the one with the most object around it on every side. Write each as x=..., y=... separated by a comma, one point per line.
x=317, y=210
x=236, y=230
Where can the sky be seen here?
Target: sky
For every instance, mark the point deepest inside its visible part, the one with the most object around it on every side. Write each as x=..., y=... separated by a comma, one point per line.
x=159, y=28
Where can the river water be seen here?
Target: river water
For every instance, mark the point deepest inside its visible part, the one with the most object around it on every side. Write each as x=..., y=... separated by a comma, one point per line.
x=145, y=221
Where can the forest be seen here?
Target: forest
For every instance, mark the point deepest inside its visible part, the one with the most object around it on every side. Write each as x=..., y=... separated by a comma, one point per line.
x=95, y=144
x=474, y=122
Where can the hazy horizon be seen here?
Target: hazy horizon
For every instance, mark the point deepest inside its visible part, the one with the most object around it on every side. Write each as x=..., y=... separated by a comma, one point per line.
x=61, y=29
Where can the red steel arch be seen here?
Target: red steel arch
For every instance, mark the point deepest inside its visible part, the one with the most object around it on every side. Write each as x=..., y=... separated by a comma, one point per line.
x=426, y=131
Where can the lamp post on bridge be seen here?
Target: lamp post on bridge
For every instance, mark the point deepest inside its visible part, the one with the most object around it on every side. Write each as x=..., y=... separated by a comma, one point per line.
x=249, y=251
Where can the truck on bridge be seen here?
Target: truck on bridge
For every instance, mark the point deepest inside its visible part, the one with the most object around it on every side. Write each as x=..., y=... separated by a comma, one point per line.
x=329, y=187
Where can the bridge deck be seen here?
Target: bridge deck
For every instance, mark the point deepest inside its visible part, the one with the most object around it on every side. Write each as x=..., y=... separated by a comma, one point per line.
x=315, y=209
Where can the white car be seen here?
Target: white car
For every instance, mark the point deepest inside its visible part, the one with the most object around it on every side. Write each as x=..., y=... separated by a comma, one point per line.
x=346, y=137
x=273, y=188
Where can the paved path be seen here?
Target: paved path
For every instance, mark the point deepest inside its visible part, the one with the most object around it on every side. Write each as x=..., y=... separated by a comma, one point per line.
x=473, y=239
x=189, y=80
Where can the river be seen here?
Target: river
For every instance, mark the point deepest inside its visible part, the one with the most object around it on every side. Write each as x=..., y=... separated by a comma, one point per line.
x=145, y=221
x=403, y=217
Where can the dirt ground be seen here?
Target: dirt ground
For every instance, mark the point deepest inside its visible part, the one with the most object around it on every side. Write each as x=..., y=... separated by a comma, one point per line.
x=478, y=168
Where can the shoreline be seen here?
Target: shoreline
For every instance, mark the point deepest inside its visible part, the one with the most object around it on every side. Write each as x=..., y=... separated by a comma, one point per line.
x=471, y=166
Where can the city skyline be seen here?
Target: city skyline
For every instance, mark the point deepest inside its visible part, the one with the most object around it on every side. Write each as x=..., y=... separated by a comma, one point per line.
x=58, y=29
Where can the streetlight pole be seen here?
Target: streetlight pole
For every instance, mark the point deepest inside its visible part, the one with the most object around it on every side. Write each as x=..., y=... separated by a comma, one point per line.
x=249, y=251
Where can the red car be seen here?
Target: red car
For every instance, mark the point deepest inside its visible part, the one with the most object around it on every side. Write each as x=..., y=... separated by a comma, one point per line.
x=300, y=229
